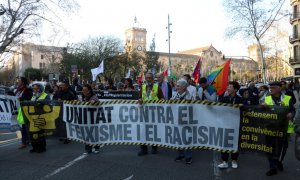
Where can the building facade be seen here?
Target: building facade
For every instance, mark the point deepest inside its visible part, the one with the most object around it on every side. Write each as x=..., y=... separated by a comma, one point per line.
x=135, y=38
x=184, y=62
x=295, y=37
x=30, y=55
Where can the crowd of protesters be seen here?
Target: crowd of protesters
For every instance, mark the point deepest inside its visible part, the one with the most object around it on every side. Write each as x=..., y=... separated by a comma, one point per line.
x=158, y=87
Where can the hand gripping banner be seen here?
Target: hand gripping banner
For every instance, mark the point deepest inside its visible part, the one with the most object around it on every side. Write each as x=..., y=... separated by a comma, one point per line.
x=41, y=116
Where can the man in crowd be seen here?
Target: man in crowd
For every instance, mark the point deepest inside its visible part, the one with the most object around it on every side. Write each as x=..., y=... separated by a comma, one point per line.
x=75, y=85
x=277, y=98
x=164, y=86
x=192, y=89
x=285, y=90
x=24, y=94
x=66, y=94
x=149, y=91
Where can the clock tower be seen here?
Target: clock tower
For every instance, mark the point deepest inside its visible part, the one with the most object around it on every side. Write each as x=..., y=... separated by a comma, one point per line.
x=135, y=38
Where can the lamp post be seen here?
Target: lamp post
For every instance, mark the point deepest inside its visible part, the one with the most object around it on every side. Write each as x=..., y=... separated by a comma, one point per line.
x=169, y=42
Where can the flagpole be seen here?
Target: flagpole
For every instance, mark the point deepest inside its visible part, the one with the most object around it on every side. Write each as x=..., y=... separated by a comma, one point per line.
x=169, y=37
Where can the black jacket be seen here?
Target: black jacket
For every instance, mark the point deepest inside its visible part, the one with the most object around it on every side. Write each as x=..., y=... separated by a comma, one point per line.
x=232, y=100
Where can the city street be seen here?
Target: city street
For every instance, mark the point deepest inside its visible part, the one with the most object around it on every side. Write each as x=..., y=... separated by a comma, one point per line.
x=62, y=161
x=120, y=162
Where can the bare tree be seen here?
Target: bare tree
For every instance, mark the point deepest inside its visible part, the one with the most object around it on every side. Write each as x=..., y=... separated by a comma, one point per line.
x=252, y=19
x=23, y=18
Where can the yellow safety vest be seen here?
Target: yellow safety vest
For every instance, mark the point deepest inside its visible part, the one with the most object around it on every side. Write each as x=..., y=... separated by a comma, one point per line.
x=20, y=117
x=42, y=96
x=153, y=94
x=285, y=102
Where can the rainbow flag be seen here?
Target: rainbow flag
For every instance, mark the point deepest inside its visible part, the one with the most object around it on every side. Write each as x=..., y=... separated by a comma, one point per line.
x=197, y=71
x=219, y=77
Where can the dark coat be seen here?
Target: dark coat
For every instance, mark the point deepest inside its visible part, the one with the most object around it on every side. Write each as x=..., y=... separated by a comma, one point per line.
x=232, y=100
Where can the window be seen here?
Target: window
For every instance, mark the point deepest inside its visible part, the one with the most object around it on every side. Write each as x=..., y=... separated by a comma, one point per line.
x=41, y=65
x=296, y=52
x=42, y=56
x=295, y=31
x=295, y=11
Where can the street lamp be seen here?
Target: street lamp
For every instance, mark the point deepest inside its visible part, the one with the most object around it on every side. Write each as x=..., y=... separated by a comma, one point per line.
x=169, y=37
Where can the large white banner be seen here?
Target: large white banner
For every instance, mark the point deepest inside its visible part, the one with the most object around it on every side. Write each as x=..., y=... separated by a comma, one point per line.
x=8, y=113
x=180, y=125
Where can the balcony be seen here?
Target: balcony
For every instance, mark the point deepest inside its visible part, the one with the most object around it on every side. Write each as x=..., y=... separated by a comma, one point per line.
x=294, y=60
x=292, y=1
x=293, y=38
x=294, y=17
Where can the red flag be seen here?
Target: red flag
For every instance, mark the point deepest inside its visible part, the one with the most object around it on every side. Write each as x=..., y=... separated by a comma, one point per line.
x=197, y=71
x=165, y=73
x=140, y=80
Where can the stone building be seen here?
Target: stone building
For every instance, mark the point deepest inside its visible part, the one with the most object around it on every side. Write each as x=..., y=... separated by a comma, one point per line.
x=30, y=55
x=135, y=38
x=184, y=62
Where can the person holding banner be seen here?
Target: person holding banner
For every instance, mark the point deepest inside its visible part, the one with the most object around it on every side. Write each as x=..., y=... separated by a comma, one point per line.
x=89, y=96
x=39, y=141
x=278, y=98
x=66, y=94
x=205, y=91
x=232, y=98
x=181, y=94
x=149, y=91
x=24, y=94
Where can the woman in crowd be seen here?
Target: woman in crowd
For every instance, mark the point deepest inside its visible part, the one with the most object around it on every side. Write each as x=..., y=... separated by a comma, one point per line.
x=247, y=100
x=128, y=84
x=264, y=91
x=181, y=94
x=89, y=96
x=231, y=98
x=56, y=92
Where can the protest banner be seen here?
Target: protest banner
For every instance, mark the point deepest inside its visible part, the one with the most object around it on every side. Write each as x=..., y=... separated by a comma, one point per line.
x=41, y=116
x=263, y=129
x=173, y=124
x=177, y=124
x=128, y=95
x=8, y=113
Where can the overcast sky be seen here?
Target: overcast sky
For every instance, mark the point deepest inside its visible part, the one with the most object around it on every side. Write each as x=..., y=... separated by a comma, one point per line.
x=195, y=23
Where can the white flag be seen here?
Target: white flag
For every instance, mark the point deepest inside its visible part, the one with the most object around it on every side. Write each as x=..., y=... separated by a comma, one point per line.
x=169, y=71
x=97, y=70
x=128, y=74
x=101, y=67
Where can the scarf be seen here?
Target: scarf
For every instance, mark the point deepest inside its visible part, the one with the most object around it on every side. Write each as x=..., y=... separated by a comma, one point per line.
x=180, y=96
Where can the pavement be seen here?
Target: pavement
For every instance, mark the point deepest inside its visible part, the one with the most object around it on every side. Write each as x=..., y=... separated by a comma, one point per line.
x=120, y=162
x=66, y=161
